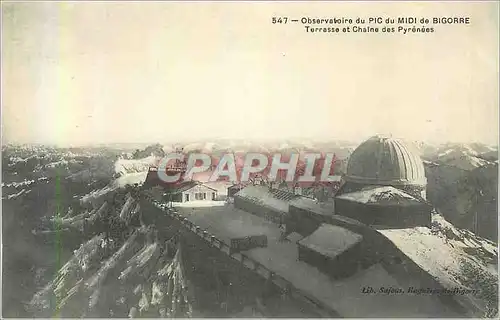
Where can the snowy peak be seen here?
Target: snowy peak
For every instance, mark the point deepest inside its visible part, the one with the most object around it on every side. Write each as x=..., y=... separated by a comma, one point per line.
x=461, y=159
x=463, y=156
x=126, y=166
x=456, y=258
x=219, y=146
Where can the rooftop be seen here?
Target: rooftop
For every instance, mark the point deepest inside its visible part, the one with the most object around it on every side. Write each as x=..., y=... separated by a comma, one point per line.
x=321, y=208
x=220, y=186
x=181, y=187
x=330, y=240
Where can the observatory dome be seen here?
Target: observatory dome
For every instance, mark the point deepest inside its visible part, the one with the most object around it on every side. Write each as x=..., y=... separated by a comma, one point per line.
x=385, y=161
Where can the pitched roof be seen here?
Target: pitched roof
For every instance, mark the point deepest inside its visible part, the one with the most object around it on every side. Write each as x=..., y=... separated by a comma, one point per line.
x=219, y=186
x=184, y=186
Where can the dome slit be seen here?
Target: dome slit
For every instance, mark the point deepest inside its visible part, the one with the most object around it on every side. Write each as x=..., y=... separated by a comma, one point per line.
x=407, y=161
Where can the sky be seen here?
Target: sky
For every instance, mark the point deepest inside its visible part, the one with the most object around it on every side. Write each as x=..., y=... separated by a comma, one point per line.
x=114, y=72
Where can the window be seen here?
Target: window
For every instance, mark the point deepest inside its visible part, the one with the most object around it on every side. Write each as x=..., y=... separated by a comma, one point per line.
x=200, y=196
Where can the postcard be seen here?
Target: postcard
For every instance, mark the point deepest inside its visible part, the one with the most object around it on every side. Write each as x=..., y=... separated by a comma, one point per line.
x=255, y=159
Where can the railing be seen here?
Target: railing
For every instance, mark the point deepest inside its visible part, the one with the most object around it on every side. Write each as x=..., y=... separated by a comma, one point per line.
x=171, y=168
x=253, y=265
x=176, y=168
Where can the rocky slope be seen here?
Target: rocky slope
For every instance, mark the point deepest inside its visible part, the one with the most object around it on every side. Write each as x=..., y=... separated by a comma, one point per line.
x=456, y=258
x=122, y=268
x=467, y=198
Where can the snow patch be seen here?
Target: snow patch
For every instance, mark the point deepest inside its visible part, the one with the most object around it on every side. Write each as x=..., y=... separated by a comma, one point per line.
x=463, y=158
x=20, y=184
x=124, y=166
x=130, y=179
x=96, y=194
x=15, y=195
x=379, y=195
x=443, y=250
x=199, y=203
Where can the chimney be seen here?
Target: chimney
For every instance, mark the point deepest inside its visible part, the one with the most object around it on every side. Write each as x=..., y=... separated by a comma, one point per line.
x=297, y=190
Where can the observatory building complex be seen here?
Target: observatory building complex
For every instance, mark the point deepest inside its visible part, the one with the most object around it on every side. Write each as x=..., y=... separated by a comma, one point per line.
x=385, y=185
x=374, y=231
x=384, y=161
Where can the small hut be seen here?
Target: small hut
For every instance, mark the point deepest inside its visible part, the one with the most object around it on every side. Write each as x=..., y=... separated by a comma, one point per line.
x=332, y=249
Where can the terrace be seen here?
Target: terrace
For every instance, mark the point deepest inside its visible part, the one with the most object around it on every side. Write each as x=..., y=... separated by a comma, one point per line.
x=343, y=296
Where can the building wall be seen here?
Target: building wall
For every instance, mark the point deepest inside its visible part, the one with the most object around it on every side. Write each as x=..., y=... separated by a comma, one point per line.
x=232, y=191
x=172, y=197
x=374, y=247
x=344, y=265
x=259, y=210
x=392, y=216
x=210, y=193
x=304, y=226
x=304, y=221
x=221, y=197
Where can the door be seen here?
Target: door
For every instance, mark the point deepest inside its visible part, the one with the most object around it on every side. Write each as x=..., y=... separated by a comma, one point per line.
x=187, y=197
x=213, y=196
